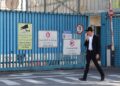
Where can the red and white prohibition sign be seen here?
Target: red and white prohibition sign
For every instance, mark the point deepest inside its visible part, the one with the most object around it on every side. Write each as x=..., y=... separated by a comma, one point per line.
x=79, y=29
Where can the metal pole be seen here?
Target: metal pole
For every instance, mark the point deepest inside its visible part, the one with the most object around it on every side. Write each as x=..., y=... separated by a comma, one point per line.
x=111, y=27
x=112, y=33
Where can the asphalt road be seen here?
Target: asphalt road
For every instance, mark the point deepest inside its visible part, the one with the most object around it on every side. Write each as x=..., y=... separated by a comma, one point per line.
x=60, y=77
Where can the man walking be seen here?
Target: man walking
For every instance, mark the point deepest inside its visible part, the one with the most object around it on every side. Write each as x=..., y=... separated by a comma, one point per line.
x=92, y=44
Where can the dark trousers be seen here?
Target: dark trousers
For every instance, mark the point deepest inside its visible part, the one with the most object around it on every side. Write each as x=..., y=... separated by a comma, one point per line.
x=92, y=56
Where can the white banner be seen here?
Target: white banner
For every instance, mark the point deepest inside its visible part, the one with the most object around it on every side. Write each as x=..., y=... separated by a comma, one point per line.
x=72, y=47
x=47, y=39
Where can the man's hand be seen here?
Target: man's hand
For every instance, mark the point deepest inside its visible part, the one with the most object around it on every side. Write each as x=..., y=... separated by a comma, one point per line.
x=86, y=37
x=97, y=56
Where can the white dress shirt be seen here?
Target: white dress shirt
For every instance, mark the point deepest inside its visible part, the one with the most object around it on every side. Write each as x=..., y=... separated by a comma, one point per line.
x=90, y=43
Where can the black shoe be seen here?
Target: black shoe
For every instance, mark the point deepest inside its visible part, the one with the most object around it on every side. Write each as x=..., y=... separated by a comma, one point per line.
x=102, y=78
x=82, y=79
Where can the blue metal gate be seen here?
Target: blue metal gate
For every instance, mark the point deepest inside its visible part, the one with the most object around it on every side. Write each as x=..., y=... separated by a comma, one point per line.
x=38, y=58
x=106, y=37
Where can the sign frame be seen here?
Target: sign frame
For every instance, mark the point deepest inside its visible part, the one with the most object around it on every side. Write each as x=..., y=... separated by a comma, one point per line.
x=79, y=29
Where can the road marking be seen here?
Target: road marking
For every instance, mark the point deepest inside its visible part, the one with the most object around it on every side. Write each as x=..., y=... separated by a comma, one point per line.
x=107, y=81
x=81, y=82
x=27, y=74
x=9, y=82
x=95, y=77
x=33, y=81
x=110, y=80
x=114, y=75
x=62, y=73
x=21, y=74
x=73, y=78
x=85, y=82
x=60, y=81
x=103, y=83
x=98, y=77
x=38, y=76
x=76, y=81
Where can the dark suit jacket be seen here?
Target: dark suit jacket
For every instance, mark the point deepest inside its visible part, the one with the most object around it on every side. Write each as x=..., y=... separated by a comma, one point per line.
x=95, y=44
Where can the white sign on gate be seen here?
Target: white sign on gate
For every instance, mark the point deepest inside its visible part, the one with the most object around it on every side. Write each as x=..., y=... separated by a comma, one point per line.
x=47, y=39
x=67, y=35
x=72, y=47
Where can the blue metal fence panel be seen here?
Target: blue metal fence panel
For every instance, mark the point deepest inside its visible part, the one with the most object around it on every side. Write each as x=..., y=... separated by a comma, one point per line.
x=116, y=21
x=103, y=41
x=38, y=58
x=106, y=37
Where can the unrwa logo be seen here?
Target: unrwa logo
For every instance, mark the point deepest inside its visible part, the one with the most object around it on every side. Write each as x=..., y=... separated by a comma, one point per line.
x=25, y=28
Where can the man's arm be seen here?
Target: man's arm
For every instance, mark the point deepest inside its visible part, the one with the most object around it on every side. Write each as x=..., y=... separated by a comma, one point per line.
x=86, y=43
x=86, y=40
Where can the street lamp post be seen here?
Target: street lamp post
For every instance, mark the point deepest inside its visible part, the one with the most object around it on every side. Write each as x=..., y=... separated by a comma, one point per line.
x=112, y=33
x=111, y=24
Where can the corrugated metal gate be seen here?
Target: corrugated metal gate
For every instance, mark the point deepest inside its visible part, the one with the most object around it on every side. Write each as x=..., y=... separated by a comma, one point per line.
x=106, y=37
x=38, y=58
